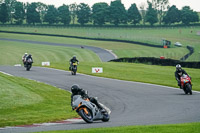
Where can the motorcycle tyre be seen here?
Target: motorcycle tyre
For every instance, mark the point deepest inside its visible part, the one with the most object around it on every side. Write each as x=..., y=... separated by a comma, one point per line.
x=106, y=117
x=188, y=87
x=84, y=116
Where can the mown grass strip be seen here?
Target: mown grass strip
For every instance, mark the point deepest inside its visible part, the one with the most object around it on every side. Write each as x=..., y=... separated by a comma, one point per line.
x=178, y=128
x=24, y=102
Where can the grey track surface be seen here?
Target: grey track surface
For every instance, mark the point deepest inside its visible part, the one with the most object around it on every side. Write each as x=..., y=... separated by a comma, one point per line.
x=131, y=103
x=103, y=54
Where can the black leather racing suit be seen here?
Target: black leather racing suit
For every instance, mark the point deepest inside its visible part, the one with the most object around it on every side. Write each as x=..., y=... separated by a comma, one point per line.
x=82, y=92
x=178, y=74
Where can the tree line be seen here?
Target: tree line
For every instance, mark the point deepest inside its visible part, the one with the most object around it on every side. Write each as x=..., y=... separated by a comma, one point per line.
x=156, y=11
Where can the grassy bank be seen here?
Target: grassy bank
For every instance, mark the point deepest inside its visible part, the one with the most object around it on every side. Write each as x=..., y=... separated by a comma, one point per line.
x=162, y=75
x=187, y=35
x=178, y=128
x=59, y=58
x=25, y=102
x=120, y=49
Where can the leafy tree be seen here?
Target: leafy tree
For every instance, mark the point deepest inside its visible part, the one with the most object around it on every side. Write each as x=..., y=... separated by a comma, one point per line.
x=33, y=16
x=143, y=12
x=73, y=10
x=151, y=15
x=10, y=9
x=188, y=15
x=118, y=12
x=3, y=13
x=134, y=15
x=64, y=14
x=52, y=15
x=160, y=6
x=173, y=15
x=83, y=13
x=19, y=14
x=42, y=9
x=100, y=13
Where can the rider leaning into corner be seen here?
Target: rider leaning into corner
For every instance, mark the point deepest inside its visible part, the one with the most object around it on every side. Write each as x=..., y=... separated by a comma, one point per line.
x=73, y=60
x=76, y=90
x=178, y=73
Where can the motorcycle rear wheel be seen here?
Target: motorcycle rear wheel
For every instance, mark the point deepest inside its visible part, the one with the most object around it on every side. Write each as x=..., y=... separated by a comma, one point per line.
x=86, y=117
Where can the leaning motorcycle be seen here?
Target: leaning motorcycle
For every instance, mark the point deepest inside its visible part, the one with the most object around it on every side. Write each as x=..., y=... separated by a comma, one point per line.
x=74, y=68
x=186, y=84
x=88, y=111
x=28, y=64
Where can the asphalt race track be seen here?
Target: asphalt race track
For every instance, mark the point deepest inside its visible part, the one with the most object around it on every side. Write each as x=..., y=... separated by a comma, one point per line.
x=103, y=54
x=131, y=103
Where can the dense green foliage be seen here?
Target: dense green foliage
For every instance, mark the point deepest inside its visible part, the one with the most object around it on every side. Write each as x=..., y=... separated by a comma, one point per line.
x=51, y=15
x=151, y=15
x=117, y=13
x=101, y=13
x=188, y=15
x=83, y=13
x=134, y=15
x=19, y=13
x=3, y=13
x=64, y=14
x=33, y=15
x=173, y=15
x=24, y=102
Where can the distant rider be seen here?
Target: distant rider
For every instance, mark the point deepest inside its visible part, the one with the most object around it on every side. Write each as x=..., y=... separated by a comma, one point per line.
x=178, y=73
x=73, y=60
x=24, y=58
x=27, y=58
x=76, y=90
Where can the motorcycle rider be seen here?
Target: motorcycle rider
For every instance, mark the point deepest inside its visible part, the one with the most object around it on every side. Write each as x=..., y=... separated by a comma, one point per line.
x=24, y=58
x=76, y=90
x=73, y=60
x=28, y=57
x=178, y=73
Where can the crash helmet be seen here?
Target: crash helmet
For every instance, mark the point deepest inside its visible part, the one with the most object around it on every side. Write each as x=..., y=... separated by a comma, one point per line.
x=178, y=67
x=74, y=56
x=75, y=88
x=25, y=53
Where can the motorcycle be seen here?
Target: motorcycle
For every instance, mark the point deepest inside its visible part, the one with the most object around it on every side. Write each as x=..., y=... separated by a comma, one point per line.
x=74, y=68
x=28, y=64
x=186, y=84
x=88, y=111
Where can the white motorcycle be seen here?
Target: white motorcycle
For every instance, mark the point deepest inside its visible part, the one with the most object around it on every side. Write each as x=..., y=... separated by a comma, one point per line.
x=88, y=111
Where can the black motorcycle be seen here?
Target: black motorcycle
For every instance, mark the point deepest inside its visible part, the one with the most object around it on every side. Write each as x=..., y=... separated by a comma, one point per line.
x=28, y=64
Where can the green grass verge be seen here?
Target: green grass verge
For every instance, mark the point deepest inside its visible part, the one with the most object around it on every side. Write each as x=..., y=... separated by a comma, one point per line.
x=154, y=74
x=185, y=35
x=59, y=58
x=178, y=128
x=11, y=53
x=120, y=49
x=25, y=102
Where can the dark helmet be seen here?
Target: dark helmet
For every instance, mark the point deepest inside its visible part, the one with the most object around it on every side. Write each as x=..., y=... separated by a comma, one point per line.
x=178, y=67
x=75, y=88
x=74, y=57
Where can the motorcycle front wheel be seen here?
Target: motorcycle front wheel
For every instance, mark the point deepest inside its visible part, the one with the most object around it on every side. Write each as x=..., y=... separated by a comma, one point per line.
x=189, y=88
x=87, y=117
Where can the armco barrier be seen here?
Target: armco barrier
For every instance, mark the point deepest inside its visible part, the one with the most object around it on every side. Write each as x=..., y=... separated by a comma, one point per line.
x=157, y=61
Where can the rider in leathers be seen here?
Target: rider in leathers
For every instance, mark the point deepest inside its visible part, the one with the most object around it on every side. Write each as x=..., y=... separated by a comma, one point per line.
x=73, y=60
x=76, y=90
x=178, y=73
